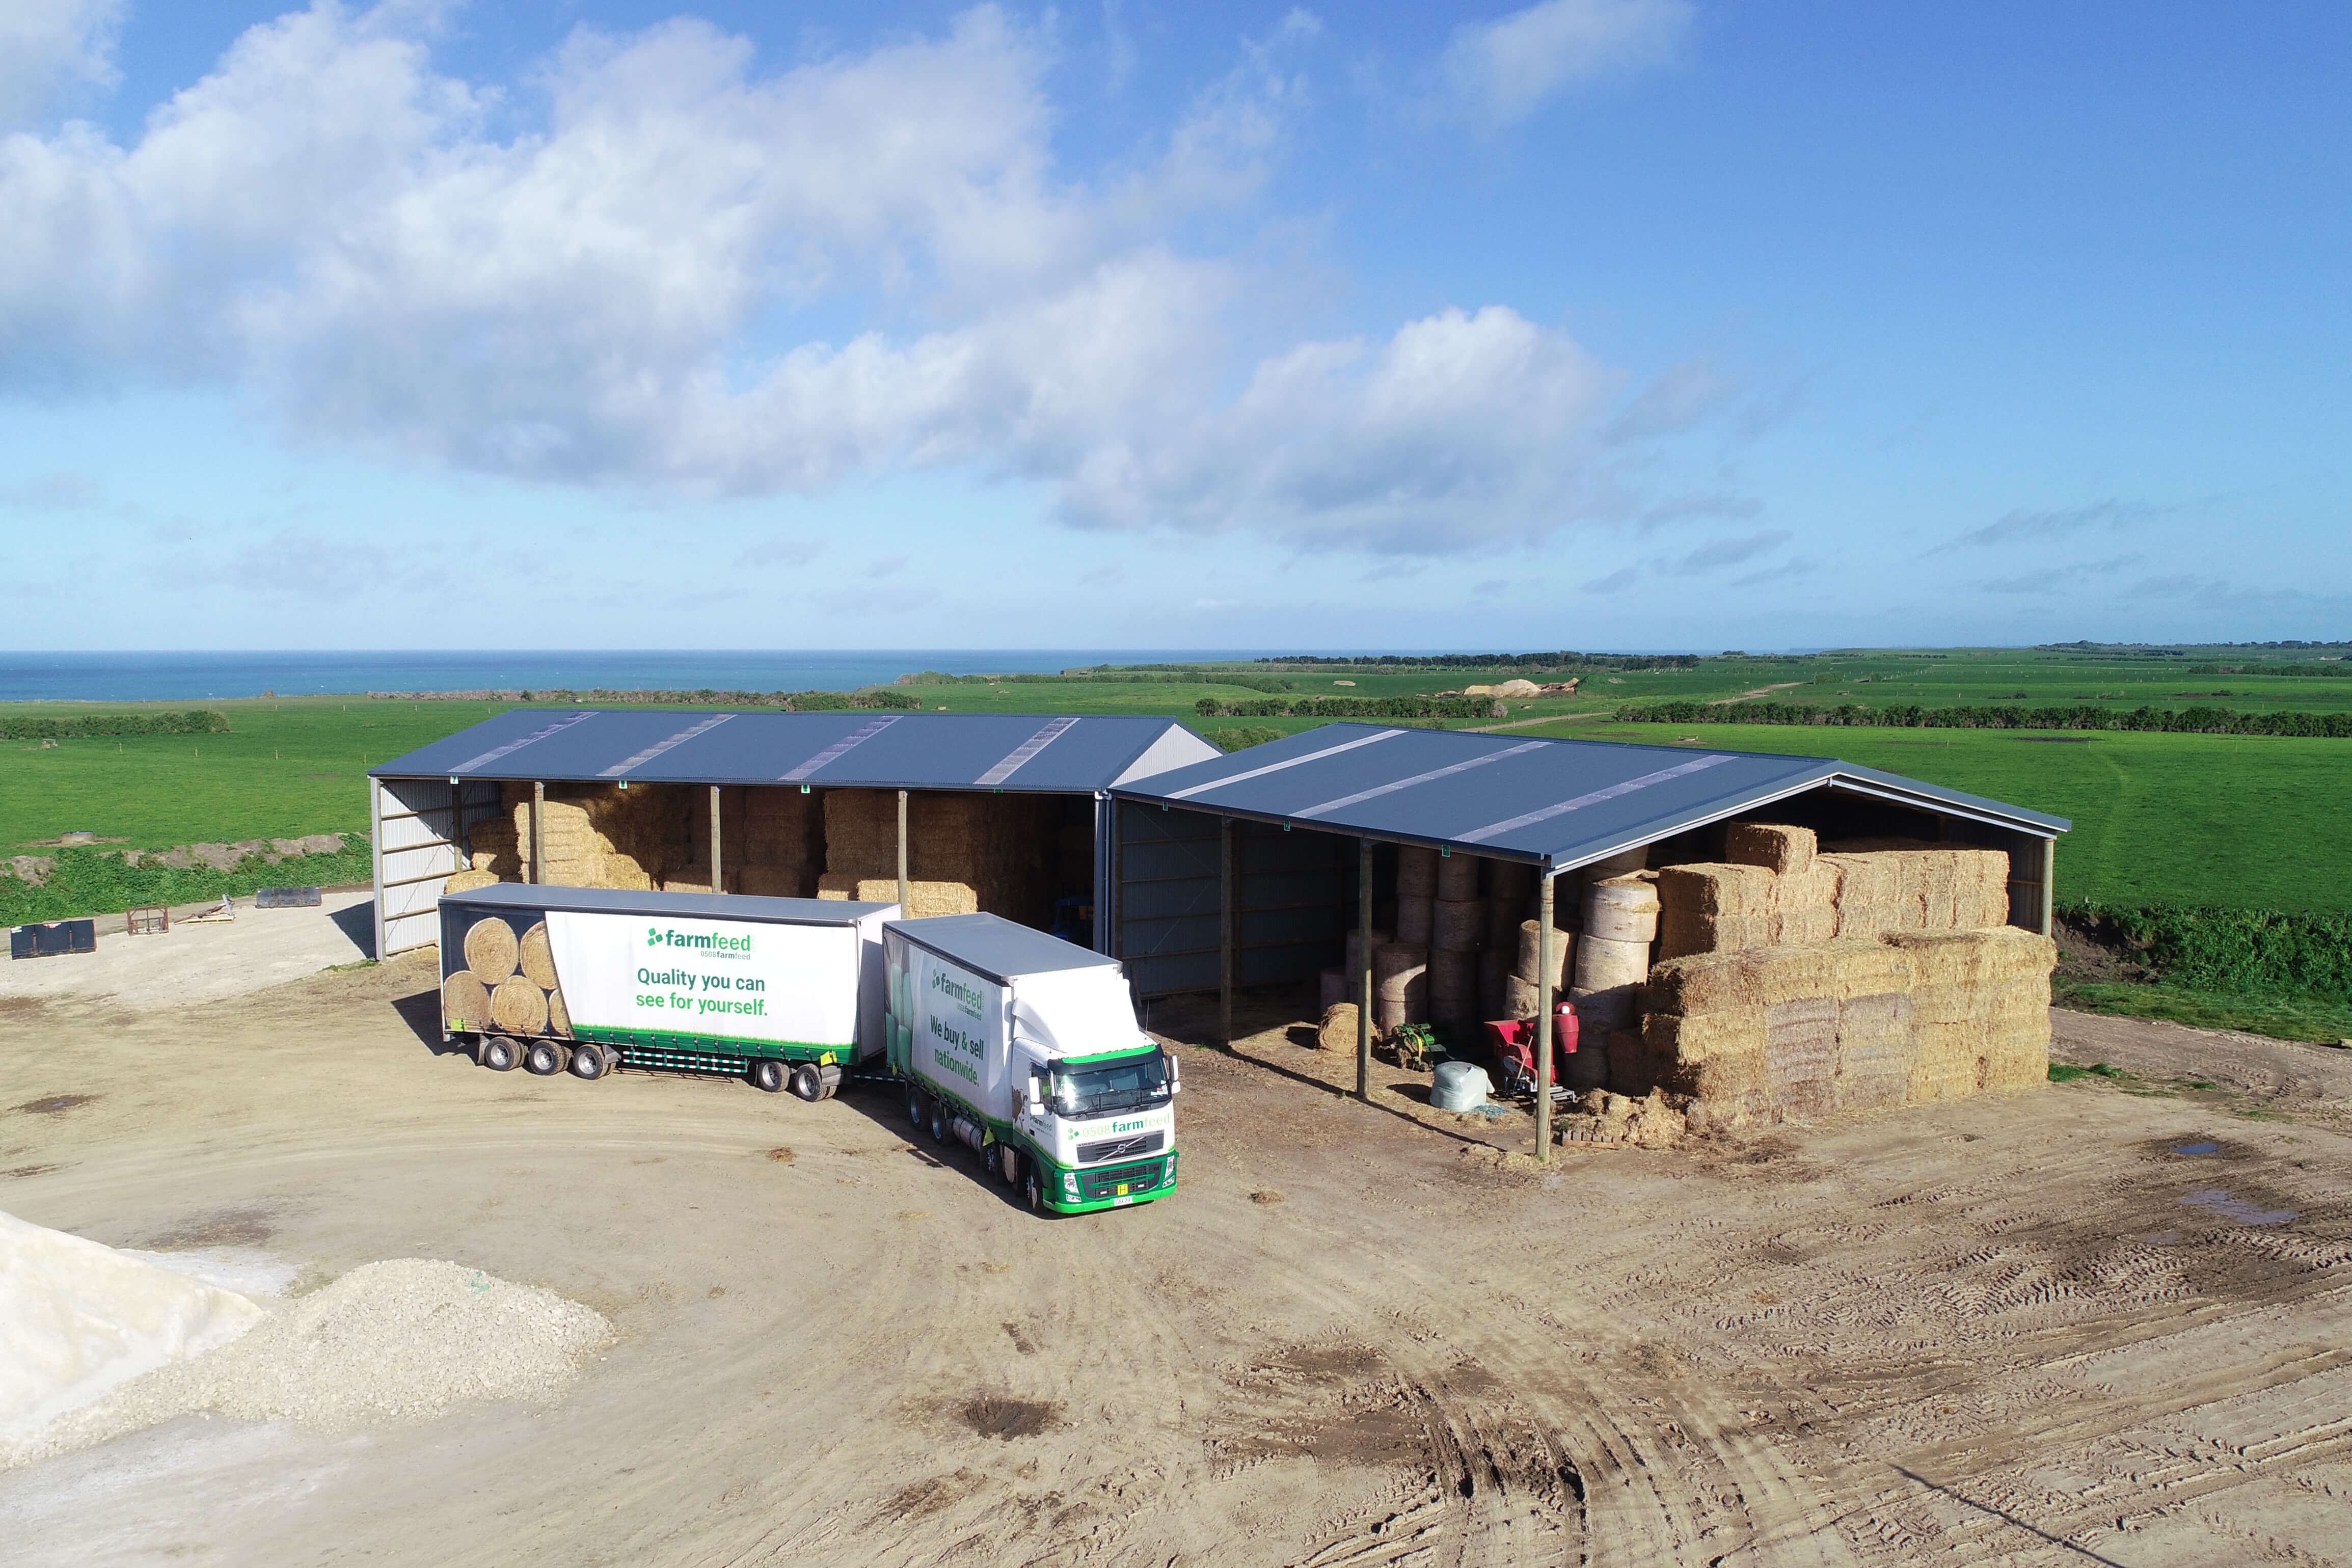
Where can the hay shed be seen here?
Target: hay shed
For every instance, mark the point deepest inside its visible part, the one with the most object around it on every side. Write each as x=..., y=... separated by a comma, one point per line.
x=1006, y=812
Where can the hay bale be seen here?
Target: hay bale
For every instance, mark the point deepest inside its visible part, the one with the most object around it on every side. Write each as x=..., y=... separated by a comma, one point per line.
x=1629, y=1064
x=1940, y=886
x=1338, y=1030
x=536, y=957
x=1618, y=865
x=1804, y=905
x=491, y=950
x=1416, y=872
x=1458, y=875
x=1602, y=964
x=1623, y=908
x=1787, y=850
x=1867, y=968
x=688, y=878
x=1391, y=1014
x=773, y=881
x=1684, y=935
x=1704, y=983
x=1610, y=1007
x=1527, y=963
x=1455, y=924
x=1519, y=998
x=1868, y=891
x=1714, y=908
x=1876, y=1047
x=519, y=1007
x=1800, y=1054
x=467, y=881
x=1399, y=973
x=1453, y=987
x=1792, y=974
x=1355, y=945
x=1984, y=889
x=1416, y=919
x=1586, y=1066
x=465, y=1002
x=1951, y=1061
x=924, y=899
x=559, y=1016
x=1512, y=884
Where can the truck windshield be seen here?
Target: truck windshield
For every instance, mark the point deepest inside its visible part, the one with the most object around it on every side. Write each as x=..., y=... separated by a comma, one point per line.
x=1121, y=1085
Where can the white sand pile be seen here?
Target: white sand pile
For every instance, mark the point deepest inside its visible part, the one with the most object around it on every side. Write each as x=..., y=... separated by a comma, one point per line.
x=78, y=1319
x=396, y=1341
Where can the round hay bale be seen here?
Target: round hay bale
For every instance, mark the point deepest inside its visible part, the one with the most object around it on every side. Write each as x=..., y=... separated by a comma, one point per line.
x=1457, y=876
x=1529, y=964
x=1416, y=872
x=1398, y=971
x=1415, y=918
x=467, y=881
x=1616, y=912
x=536, y=958
x=1518, y=997
x=1618, y=865
x=1601, y=964
x=519, y=1007
x=465, y=1002
x=559, y=1016
x=1355, y=963
x=1456, y=924
x=491, y=949
x=1337, y=1032
x=1391, y=1014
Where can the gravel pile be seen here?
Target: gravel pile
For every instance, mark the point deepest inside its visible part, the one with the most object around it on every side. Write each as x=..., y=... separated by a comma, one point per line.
x=397, y=1340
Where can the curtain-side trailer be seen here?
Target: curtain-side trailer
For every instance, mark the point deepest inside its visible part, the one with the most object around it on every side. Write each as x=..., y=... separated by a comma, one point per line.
x=787, y=992
x=1025, y=1047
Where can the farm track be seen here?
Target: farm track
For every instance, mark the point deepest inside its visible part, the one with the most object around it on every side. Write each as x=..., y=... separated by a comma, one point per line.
x=2018, y=1330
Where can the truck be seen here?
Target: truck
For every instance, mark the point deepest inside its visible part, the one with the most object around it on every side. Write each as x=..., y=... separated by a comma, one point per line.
x=786, y=992
x=1024, y=1048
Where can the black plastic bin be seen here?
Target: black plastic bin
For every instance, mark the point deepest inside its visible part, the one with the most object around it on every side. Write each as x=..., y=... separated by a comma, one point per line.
x=57, y=937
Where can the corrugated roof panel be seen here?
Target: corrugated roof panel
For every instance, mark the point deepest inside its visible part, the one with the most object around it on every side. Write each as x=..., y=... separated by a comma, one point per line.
x=1563, y=801
x=858, y=747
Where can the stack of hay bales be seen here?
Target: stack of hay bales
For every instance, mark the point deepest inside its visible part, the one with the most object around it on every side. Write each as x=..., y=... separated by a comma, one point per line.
x=602, y=835
x=775, y=843
x=509, y=984
x=493, y=842
x=1416, y=911
x=1400, y=985
x=1800, y=1031
x=1523, y=986
x=1510, y=900
x=1775, y=889
x=1612, y=959
x=967, y=852
x=1892, y=884
x=1714, y=908
x=1457, y=930
x=1804, y=891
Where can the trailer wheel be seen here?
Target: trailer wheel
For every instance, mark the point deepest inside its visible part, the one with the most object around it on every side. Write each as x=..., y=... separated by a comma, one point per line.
x=805, y=1082
x=590, y=1062
x=939, y=1122
x=544, y=1057
x=915, y=1107
x=497, y=1053
x=767, y=1074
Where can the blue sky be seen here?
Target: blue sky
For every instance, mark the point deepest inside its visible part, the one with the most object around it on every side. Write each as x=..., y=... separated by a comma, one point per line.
x=1592, y=323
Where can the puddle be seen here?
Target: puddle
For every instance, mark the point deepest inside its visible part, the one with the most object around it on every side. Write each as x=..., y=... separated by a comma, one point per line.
x=2198, y=1149
x=2238, y=1208
x=55, y=1104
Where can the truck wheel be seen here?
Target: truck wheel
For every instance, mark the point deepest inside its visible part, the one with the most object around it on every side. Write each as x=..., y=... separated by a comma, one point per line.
x=767, y=1074
x=806, y=1084
x=497, y=1053
x=544, y=1057
x=590, y=1062
x=915, y=1107
x=1032, y=1187
x=939, y=1122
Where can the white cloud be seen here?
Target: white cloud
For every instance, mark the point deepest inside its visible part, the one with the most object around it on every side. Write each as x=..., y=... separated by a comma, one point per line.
x=1503, y=70
x=691, y=275
x=51, y=48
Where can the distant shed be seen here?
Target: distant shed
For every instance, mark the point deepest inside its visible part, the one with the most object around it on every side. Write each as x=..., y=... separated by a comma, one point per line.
x=742, y=801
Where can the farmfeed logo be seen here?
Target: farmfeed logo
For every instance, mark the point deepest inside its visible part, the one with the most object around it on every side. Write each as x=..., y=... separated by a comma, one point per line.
x=965, y=996
x=717, y=946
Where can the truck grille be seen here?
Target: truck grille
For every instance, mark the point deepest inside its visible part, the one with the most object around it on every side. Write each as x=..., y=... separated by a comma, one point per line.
x=1106, y=1182
x=1135, y=1143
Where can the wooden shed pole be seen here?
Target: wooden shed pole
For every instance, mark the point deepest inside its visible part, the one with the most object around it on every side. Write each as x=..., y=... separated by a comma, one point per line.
x=1227, y=853
x=904, y=912
x=718, y=880
x=538, y=839
x=1545, y=937
x=1364, y=971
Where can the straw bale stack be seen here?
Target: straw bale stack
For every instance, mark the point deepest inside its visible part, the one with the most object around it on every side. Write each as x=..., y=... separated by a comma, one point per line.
x=1457, y=876
x=775, y=843
x=1800, y=1054
x=1417, y=918
x=601, y=836
x=465, y=1002
x=1401, y=974
x=924, y=899
x=492, y=842
x=519, y=1007
x=1416, y=872
x=1510, y=898
x=690, y=879
x=1804, y=905
x=1354, y=948
x=1453, y=986
x=491, y=950
x=1337, y=1032
x=993, y=845
x=1714, y=908
x=1628, y=1063
x=535, y=956
x=467, y=881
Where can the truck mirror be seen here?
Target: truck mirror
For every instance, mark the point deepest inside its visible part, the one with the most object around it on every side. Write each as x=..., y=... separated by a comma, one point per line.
x=1175, y=1076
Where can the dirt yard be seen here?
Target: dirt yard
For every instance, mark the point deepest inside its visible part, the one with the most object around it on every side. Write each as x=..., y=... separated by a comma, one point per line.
x=2101, y=1323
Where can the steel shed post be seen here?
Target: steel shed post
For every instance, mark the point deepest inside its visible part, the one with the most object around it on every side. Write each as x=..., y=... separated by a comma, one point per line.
x=1227, y=839
x=903, y=912
x=1544, y=939
x=1364, y=971
x=538, y=839
x=2049, y=882
x=718, y=881
x=375, y=857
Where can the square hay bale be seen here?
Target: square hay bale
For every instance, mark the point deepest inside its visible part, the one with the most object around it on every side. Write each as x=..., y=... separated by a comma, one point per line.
x=1876, y=1050
x=1947, y=958
x=1804, y=928
x=1787, y=850
x=1939, y=889
x=1703, y=983
x=773, y=881
x=1866, y=966
x=1792, y=974
x=1676, y=1041
x=1629, y=1064
x=1800, y=1054
x=1868, y=893
x=1717, y=890
x=1982, y=897
x=1950, y=1063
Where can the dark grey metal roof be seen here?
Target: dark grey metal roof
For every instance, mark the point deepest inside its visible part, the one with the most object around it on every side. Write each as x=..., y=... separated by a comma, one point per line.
x=1564, y=802
x=538, y=896
x=994, y=947
x=1024, y=752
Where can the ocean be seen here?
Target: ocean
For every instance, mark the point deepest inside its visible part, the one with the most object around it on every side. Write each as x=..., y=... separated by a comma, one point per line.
x=178, y=677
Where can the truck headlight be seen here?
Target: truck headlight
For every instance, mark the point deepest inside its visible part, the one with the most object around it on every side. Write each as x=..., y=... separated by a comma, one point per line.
x=1069, y=1185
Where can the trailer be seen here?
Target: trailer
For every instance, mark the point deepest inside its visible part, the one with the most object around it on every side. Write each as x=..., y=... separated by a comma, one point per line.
x=1024, y=1048
x=785, y=991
